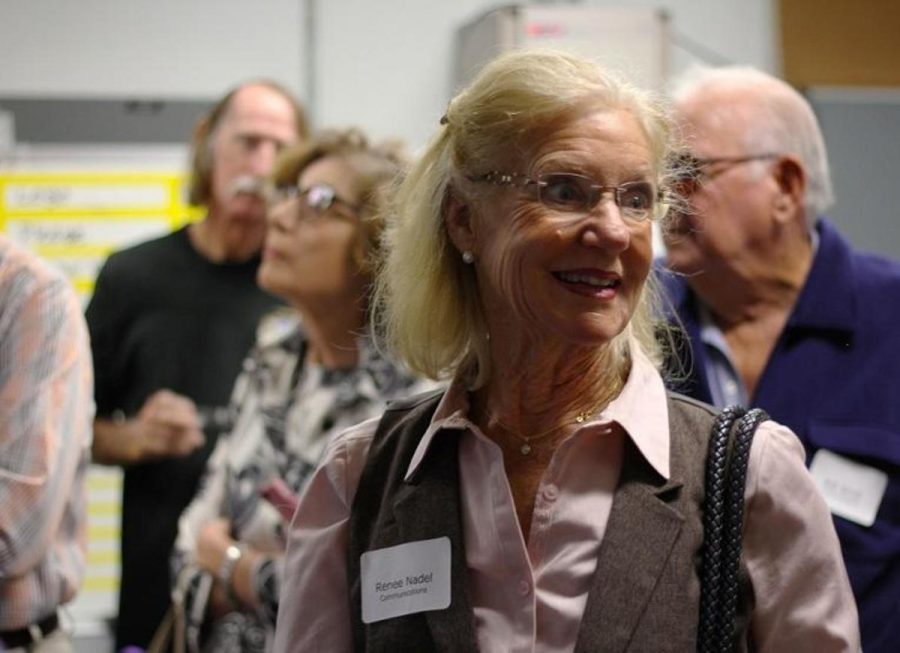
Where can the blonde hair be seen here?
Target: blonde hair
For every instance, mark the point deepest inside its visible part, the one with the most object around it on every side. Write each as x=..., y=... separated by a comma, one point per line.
x=427, y=300
x=375, y=168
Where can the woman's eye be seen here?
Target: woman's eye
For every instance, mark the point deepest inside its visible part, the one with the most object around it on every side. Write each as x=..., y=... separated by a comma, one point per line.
x=563, y=191
x=637, y=198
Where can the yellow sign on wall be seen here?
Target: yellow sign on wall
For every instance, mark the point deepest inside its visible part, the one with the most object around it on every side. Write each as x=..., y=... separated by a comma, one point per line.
x=77, y=219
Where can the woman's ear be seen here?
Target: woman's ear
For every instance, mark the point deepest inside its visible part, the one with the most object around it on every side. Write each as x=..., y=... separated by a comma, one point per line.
x=458, y=218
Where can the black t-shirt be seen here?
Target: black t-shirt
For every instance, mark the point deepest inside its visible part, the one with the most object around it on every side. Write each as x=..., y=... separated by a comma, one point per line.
x=162, y=316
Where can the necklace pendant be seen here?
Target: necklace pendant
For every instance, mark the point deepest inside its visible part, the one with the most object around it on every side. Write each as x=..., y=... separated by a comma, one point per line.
x=525, y=449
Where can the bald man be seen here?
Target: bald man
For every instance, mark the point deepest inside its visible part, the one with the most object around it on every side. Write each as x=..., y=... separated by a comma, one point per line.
x=782, y=313
x=171, y=320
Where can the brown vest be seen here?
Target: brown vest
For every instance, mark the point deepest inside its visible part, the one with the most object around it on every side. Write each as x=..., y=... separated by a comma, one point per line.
x=646, y=589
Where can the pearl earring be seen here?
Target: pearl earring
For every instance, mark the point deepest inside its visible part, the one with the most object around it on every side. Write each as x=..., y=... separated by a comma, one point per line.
x=468, y=257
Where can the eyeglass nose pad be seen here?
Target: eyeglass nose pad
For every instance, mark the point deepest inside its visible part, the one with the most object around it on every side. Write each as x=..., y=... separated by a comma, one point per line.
x=597, y=199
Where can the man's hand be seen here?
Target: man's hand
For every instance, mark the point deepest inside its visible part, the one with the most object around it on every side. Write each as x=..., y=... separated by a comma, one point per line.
x=167, y=426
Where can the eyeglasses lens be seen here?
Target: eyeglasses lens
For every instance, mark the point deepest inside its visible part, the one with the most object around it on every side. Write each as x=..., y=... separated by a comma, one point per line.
x=319, y=197
x=577, y=193
x=565, y=192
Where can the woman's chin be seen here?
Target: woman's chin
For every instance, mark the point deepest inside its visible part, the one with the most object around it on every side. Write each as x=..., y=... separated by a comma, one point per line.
x=267, y=279
x=589, y=333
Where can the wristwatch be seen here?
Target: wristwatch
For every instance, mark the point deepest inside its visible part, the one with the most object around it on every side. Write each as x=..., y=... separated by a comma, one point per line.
x=232, y=554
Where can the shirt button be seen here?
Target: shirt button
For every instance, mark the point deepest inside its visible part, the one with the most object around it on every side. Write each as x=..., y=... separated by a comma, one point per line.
x=524, y=587
x=551, y=492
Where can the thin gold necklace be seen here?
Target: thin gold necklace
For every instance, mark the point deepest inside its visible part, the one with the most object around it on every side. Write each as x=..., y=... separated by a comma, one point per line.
x=527, y=442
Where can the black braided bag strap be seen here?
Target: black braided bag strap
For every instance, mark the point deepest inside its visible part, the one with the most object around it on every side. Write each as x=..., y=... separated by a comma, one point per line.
x=713, y=526
x=723, y=519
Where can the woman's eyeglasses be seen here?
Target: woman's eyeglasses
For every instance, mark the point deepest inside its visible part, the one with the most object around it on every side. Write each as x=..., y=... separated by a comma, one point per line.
x=318, y=197
x=568, y=192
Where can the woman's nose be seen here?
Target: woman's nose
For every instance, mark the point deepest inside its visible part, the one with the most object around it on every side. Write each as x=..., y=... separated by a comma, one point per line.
x=282, y=215
x=605, y=227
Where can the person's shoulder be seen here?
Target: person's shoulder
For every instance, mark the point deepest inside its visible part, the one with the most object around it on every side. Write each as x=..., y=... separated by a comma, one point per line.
x=872, y=271
x=277, y=346
x=277, y=328
x=352, y=443
x=150, y=268
x=31, y=286
x=153, y=252
x=875, y=271
x=691, y=405
x=776, y=453
x=389, y=377
x=24, y=273
x=877, y=286
x=422, y=393
x=690, y=418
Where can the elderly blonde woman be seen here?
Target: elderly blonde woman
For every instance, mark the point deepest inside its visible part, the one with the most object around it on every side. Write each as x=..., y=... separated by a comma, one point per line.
x=312, y=373
x=551, y=498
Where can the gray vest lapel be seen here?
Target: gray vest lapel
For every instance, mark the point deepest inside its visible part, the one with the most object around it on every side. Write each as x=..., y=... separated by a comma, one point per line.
x=639, y=537
x=428, y=507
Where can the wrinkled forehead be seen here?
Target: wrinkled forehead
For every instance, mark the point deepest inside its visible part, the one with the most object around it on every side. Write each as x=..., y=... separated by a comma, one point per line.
x=583, y=140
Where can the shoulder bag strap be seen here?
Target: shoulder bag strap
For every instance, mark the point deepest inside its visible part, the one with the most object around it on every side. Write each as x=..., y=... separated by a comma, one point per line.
x=723, y=519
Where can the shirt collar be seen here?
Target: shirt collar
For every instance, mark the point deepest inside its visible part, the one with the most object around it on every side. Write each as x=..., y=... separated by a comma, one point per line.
x=640, y=409
x=451, y=415
x=828, y=299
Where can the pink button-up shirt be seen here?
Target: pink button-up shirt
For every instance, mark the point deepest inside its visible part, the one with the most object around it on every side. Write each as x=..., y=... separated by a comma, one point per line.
x=529, y=596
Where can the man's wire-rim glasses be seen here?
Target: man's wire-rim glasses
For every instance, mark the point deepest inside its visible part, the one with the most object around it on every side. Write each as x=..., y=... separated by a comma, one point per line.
x=691, y=171
x=568, y=192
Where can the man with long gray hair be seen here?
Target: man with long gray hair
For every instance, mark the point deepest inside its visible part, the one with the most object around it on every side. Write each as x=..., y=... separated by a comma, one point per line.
x=171, y=320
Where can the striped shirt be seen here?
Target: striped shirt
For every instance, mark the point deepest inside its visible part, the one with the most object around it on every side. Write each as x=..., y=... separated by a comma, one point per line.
x=46, y=414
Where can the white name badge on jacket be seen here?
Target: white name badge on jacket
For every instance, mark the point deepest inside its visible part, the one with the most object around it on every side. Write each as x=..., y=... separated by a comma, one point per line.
x=405, y=579
x=851, y=490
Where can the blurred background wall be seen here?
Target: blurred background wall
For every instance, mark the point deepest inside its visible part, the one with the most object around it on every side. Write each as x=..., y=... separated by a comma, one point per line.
x=143, y=69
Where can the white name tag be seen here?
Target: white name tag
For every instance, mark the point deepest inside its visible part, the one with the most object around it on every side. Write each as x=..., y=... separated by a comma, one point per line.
x=851, y=490
x=405, y=579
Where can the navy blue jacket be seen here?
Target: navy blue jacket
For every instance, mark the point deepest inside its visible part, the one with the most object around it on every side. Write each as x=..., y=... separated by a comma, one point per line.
x=834, y=378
